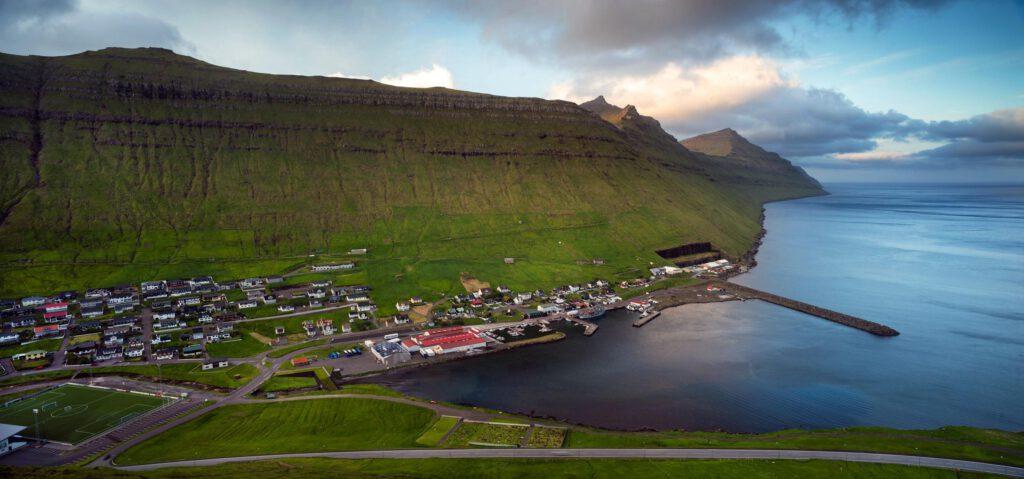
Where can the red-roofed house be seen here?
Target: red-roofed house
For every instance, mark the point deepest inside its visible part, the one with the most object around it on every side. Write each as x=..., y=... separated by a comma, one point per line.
x=47, y=330
x=55, y=307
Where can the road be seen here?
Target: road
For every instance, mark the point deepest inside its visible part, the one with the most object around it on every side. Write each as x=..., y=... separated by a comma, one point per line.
x=764, y=454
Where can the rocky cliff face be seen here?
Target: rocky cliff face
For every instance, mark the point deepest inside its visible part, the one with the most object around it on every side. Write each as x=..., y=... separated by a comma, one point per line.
x=731, y=150
x=120, y=165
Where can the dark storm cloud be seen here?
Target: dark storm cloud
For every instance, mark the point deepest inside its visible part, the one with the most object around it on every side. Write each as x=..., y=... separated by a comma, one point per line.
x=55, y=27
x=650, y=31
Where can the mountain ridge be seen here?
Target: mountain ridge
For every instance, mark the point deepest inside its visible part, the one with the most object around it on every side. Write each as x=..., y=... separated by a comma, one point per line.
x=157, y=165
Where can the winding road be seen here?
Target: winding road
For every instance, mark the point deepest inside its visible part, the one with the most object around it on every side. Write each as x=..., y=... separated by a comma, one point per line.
x=764, y=454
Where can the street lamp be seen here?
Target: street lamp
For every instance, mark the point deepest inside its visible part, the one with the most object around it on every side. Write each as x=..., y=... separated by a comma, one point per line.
x=35, y=413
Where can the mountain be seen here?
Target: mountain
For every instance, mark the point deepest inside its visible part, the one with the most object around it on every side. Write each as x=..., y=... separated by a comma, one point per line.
x=121, y=165
x=736, y=152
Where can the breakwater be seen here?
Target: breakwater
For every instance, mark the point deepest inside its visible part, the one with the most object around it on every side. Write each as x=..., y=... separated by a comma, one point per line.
x=646, y=319
x=745, y=292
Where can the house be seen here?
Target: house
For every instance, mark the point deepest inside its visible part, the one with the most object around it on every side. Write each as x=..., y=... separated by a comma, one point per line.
x=416, y=300
x=309, y=327
x=275, y=279
x=476, y=302
x=9, y=338
x=164, y=338
x=55, y=307
x=87, y=348
x=164, y=314
x=32, y=301
x=150, y=286
x=510, y=260
x=197, y=333
x=357, y=251
x=55, y=316
x=192, y=350
x=189, y=301
x=286, y=308
x=47, y=330
x=205, y=319
x=29, y=355
x=279, y=330
x=90, y=302
x=222, y=327
x=215, y=364
x=315, y=303
x=165, y=324
x=402, y=306
x=366, y=307
x=126, y=321
x=504, y=289
x=402, y=319
x=123, y=308
x=201, y=281
x=107, y=352
x=254, y=294
x=97, y=293
x=316, y=294
x=357, y=298
x=522, y=298
x=164, y=353
x=251, y=283
x=320, y=284
x=121, y=298
x=326, y=326
x=20, y=322
x=134, y=352
x=547, y=308
x=91, y=312
x=269, y=299
x=248, y=304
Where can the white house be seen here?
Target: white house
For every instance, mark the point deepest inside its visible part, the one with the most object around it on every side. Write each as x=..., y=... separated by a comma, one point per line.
x=402, y=306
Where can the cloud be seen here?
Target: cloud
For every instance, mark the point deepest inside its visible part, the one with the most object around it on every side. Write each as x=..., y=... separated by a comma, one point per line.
x=751, y=95
x=602, y=31
x=56, y=27
x=434, y=76
x=345, y=75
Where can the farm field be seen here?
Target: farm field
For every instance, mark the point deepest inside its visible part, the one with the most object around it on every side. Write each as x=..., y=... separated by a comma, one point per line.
x=73, y=413
x=328, y=424
x=279, y=383
x=226, y=378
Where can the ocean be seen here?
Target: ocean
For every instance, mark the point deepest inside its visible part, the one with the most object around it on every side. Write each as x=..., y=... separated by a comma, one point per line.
x=943, y=264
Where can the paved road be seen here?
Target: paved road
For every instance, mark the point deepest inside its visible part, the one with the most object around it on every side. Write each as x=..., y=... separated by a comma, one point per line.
x=932, y=462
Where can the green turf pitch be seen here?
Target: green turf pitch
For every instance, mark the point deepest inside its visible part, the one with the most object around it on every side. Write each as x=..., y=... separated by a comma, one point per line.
x=73, y=413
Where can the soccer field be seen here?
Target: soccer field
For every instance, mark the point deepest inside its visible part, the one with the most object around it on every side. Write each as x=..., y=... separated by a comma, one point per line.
x=73, y=413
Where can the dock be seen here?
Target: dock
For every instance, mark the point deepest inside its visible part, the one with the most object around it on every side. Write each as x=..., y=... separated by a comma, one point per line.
x=744, y=292
x=589, y=328
x=646, y=319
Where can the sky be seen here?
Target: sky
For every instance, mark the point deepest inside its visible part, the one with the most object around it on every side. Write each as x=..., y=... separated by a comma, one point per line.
x=853, y=90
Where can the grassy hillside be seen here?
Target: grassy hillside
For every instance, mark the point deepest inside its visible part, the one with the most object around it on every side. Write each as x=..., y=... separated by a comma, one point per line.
x=122, y=165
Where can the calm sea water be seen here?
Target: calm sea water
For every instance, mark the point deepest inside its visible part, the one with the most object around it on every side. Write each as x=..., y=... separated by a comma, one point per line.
x=944, y=265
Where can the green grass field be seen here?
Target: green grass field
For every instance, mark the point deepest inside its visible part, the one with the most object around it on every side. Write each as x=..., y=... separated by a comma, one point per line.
x=329, y=424
x=241, y=347
x=280, y=383
x=43, y=344
x=229, y=378
x=508, y=469
x=432, y=437
x=546, y=437
x=73, y=413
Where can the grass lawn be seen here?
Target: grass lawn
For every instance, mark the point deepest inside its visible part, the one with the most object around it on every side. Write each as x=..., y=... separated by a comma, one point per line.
x=432, y=437
x=486, y=434
x=546, y=437
x=329, y=424
x=51, y=344
x=72, y=413
x=369, y=388
x=242, y=347
x=221, y=378
x=508, y=469
x=985, y=445
x=278, y=353
x=280, y=383
x=83, y=338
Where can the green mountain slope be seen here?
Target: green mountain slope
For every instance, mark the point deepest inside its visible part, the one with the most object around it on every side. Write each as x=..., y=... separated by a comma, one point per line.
x=749, y=162
x=121, y=165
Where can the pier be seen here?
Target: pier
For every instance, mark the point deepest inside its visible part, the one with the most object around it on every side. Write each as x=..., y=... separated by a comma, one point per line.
x=744, y=292
x=589, y=328
x=646, y=319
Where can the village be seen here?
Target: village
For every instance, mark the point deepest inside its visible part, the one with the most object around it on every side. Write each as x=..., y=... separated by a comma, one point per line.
x=202, y=320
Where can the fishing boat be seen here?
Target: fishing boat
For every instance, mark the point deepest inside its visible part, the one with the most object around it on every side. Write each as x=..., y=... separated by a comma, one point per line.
x=592, y=312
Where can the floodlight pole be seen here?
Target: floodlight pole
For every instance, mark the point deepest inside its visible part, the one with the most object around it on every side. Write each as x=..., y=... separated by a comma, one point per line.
x=35, y=413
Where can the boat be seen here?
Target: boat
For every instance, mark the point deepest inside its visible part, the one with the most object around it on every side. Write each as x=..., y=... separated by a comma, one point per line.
x=592, y=312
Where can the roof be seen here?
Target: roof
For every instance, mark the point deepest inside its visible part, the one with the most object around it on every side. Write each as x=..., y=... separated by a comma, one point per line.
x=449, y=340
x=8, y=430
x=463, y=342
x=386, y=348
